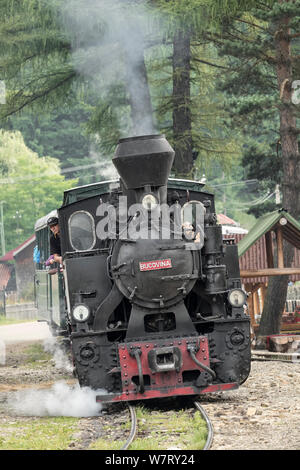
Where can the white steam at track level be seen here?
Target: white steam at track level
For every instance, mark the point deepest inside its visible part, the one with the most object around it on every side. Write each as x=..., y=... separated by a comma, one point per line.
x=61, y=399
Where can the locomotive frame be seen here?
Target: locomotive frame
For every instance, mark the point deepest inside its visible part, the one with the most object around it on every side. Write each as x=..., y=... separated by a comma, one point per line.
x=146, y=317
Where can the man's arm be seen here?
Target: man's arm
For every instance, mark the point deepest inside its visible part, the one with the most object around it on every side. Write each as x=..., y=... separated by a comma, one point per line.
x=57, y=258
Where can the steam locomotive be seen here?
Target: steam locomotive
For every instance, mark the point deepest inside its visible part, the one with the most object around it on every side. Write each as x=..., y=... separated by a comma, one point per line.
x=150, y=294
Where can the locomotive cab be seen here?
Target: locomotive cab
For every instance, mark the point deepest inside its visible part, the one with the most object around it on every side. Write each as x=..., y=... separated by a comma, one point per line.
x=154, y=303
x=48, y=283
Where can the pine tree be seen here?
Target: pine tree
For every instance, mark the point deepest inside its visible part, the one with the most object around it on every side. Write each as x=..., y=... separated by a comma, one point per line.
x=35, y=55
x=265, y=62
x=60, y=134
x=49, y=55
x=196, y=124
x=55, y=44
x=264, y=68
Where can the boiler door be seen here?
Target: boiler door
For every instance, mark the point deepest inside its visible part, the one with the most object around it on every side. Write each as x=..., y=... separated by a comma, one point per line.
x=154, y=273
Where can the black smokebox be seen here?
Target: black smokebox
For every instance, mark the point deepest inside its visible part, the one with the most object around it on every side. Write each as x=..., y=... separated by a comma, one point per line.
x=144, y=160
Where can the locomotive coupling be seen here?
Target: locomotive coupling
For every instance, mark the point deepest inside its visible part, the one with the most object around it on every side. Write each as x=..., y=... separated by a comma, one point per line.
x=165, y=359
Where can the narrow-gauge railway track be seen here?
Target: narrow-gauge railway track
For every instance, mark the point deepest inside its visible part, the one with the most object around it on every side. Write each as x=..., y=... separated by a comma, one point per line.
x=270, y=398
x=209, y=425
x=134, y=426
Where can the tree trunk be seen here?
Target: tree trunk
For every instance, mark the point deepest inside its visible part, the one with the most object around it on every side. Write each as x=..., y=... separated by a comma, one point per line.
x=288, y=126
x=277, y=288
x=182, y=120
x=270, y=322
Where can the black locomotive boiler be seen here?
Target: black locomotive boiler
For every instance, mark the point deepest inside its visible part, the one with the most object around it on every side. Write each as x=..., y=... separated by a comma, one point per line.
x=154, y=304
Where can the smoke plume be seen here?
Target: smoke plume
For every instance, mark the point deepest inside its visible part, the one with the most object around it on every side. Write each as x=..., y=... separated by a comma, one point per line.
x=108, y=41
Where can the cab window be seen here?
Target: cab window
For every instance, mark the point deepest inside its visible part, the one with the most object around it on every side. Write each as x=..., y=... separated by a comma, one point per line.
x=82, y=231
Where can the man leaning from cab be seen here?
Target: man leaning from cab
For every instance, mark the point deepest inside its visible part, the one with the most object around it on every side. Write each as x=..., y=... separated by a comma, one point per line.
x=55, y=249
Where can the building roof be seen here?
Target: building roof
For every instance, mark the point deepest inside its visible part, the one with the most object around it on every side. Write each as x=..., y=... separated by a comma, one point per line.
x=24, y=245
x=9, y=256
x=290, y=229
x=229, y=226
x=225, y=220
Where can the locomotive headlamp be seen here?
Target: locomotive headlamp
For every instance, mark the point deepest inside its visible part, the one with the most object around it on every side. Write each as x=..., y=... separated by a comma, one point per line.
x=149, y=202
x=237, y=297
x=81, y=313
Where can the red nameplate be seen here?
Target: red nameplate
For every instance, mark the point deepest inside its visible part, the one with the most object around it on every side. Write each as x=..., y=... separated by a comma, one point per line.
x=157, y=264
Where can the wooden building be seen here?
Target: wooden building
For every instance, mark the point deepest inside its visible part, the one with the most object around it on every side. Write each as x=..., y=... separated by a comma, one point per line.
x=261, y=256
x=24, y=265
x=17, y=268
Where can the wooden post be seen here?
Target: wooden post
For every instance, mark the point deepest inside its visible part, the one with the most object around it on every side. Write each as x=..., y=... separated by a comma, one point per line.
x=280, y=247
x=255, y=303
x=250, y=306
x=269, y=249
x=263, y=294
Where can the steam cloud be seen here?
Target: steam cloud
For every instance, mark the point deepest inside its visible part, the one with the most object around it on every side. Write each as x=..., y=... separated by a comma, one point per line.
x=108, y=38
x=60, y=400
x=59, y=356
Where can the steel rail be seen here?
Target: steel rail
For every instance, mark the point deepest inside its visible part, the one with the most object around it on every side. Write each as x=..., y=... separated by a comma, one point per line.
x=133, y=427
x=210, y=434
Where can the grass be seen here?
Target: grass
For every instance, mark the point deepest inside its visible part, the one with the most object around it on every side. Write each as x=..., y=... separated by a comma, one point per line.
x=40, y=434
x=35, y=354
x=103, y=444
x=156, y=431
x=163, y=431
x=9, y=321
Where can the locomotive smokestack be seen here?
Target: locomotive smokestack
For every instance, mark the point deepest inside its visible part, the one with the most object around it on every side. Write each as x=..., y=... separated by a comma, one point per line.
x=144, y=160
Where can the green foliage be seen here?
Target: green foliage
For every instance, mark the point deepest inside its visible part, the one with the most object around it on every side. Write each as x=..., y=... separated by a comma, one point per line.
x=211, y=140
x=110, y=118
x=39, y=69
x=60, y=133
x=31, y=188
x=252, y=95
x=35, y=61
x=198, y=15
